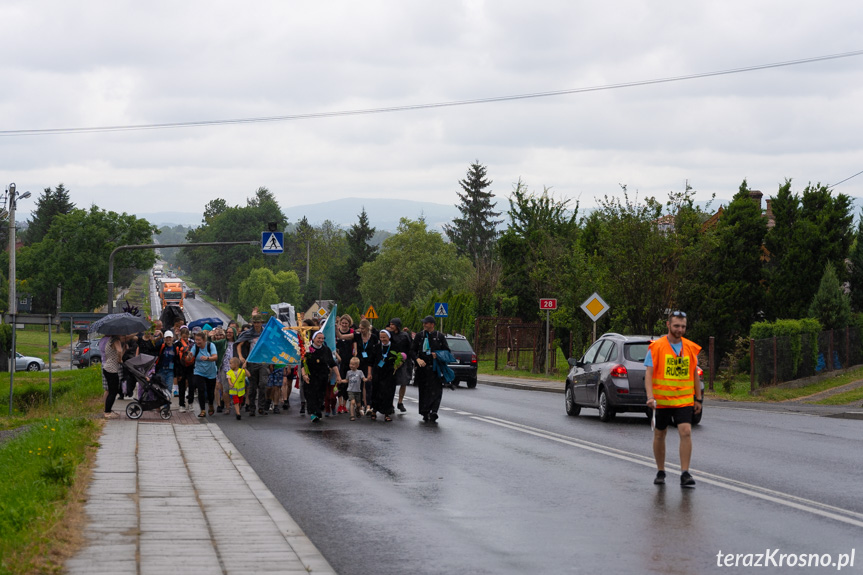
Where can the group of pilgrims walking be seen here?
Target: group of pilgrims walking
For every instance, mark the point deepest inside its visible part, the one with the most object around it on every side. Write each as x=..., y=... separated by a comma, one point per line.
x=359, y=378
x=369, y=367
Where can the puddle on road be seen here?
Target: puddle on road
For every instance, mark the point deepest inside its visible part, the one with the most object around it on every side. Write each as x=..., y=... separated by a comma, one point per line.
x=362, y=448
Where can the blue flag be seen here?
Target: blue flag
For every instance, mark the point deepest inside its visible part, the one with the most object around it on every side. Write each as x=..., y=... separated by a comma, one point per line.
x=277, y=345
x=329, y=328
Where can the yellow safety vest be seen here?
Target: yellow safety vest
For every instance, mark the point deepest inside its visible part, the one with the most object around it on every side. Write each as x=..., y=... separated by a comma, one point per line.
x=238, y=380
x=673, y=375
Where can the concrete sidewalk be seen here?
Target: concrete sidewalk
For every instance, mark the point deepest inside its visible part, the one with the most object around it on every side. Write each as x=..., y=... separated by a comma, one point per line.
x=158, y=503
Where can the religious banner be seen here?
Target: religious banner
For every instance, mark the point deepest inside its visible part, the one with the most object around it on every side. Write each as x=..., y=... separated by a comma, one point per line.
x=277, y=345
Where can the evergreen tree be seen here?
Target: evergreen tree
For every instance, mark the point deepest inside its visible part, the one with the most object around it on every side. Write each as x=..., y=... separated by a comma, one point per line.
x=49, y=205
x=733, y=293
x=855, y=274
x=475, y=232
x=831, y=305
x=811, y=229
x=360, y=251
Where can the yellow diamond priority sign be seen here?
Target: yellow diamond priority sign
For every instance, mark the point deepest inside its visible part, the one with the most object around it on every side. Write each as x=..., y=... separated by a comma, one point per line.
x=595, y=307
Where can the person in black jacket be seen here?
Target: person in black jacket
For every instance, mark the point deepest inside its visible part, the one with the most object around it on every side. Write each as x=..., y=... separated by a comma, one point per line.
x=426, y=344
x=401, y=342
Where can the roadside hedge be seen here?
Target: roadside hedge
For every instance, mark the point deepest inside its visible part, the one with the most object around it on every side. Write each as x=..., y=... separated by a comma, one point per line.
x=801, y=337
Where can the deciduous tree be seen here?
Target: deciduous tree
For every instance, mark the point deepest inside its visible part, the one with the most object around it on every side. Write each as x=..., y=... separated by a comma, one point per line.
x=412, y=263
x=75, y=253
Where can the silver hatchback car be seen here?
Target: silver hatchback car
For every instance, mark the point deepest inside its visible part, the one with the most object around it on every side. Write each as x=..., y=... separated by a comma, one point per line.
x=610, y=377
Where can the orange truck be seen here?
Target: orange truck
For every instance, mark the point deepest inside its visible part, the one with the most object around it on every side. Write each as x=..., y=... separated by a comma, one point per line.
x=172, y=294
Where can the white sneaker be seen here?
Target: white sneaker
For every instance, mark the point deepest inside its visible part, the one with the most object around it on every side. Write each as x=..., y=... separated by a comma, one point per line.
x=182, y=409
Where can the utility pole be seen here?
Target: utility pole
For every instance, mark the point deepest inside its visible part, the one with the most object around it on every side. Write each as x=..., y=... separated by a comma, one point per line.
x=13, y=298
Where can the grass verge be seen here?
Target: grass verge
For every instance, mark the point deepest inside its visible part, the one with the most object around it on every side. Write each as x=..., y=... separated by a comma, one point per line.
x=43, y=469
x=740, y=389
x=844, y=398
x=485, y=366
x=33, y=340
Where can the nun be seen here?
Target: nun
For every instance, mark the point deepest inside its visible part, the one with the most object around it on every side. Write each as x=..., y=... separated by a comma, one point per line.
x=383, y=370
x=320, y=362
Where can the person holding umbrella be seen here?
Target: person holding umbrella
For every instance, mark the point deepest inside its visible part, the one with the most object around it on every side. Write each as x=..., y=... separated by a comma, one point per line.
x=115, y=326
x=114, y=350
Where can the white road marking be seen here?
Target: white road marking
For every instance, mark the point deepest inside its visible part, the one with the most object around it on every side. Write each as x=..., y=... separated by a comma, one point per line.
x=463, y=413
x=828, y=511
x=446, y=409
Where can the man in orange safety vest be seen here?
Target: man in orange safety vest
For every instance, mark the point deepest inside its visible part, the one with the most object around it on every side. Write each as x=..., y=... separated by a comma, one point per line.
x=673, y=392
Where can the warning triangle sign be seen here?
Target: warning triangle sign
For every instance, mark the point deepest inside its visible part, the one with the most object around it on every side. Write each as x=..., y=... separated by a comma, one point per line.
x=441, y=311
x=371, y=313
x=273, y=243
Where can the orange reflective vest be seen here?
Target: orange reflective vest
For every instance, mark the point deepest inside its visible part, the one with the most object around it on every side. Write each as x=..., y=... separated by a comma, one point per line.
x=673, y=375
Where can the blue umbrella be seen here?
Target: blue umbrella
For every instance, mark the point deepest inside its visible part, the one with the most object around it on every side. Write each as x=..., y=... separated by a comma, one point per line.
x=213, y=321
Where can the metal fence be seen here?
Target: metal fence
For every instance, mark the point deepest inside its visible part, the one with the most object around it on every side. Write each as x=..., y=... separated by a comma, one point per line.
x=779, y=359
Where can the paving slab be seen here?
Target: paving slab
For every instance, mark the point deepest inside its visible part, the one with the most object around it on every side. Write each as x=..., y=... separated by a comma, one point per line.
x=156, y=504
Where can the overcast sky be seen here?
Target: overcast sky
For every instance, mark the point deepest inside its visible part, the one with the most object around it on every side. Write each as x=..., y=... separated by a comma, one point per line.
x=93, y=63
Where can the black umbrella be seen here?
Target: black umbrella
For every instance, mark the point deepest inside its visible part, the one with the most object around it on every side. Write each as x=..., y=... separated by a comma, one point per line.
x=120, y=324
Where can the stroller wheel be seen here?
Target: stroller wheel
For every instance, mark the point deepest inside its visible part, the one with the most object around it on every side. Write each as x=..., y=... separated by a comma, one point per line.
x=165, y=412
x=134, y=410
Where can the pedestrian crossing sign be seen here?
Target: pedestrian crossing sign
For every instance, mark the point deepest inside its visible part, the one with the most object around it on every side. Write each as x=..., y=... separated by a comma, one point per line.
x=272, y=243
x=441, y=309
x=371, y=313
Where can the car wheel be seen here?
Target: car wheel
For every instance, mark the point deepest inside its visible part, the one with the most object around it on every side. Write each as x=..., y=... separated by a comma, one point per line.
x=571, y=407
x=134, y=410
x=696, y=417
x=96, y=360
x=33, y=366
x=606, y=412
x=471, y=383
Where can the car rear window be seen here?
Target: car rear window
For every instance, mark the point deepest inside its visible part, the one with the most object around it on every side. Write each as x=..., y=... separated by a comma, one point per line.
x=458, y=344
x=636, y=351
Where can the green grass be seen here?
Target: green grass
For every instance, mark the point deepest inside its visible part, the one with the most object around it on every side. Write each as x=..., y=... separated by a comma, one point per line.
x=39, y=467
x=847, y=397
x=740, y=390
x=139, y=294
x=485, y=366
x=33, y=340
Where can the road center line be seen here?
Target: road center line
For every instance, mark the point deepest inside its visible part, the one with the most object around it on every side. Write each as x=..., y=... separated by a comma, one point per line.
x=814, y=507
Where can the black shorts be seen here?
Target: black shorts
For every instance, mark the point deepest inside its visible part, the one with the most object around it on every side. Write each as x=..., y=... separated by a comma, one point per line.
x=677, y=415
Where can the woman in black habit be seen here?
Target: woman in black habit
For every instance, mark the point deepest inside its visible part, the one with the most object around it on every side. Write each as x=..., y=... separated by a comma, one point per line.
x=383, y=370
x=320, y=361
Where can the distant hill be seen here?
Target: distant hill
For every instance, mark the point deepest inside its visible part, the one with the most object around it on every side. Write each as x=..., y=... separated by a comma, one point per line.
x=383, y=214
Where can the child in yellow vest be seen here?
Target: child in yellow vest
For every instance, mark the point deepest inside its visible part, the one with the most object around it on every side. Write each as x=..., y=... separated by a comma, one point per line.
x=237, y=382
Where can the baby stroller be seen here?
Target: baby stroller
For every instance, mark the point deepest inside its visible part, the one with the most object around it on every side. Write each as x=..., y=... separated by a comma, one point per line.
x=154, y=394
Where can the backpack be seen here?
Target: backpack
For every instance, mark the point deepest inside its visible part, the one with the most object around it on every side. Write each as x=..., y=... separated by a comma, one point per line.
x=186, y=357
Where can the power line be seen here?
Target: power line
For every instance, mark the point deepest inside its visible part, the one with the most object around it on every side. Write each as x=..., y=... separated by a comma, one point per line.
x=845, y=180
x=412, y=107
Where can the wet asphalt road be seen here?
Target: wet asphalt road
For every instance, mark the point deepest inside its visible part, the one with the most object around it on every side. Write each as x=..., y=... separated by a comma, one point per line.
x=508, y=483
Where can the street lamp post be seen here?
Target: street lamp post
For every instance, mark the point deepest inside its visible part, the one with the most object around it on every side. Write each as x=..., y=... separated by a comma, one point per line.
x=13, y=298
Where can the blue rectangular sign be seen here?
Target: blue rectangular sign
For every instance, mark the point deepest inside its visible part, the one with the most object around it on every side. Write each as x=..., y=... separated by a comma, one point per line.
x=272, y=242
x=441, y=309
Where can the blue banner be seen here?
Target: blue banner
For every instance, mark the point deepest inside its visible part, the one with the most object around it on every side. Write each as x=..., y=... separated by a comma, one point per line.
x=277, y=345
x=329, y=328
